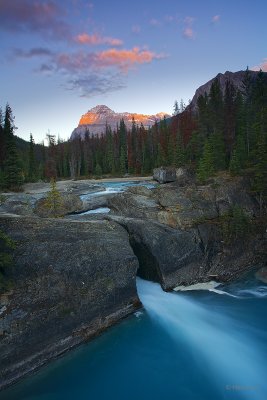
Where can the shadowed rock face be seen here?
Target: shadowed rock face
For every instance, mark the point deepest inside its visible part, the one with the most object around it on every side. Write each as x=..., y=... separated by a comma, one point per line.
x=236, y=78
x=71, y=280
x=176, y=233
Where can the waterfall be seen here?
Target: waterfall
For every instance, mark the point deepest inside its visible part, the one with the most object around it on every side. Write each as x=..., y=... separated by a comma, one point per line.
x=219, y=341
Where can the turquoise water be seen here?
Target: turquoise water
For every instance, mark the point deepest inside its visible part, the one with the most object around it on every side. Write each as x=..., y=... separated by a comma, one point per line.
x=186, y=345
x=117, y=187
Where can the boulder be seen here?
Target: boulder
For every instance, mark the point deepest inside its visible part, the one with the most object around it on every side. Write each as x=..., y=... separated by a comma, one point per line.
x=69, y=203
x=184, y=177
x=18, y=203
x=133, y=205
x=234, y=191
x=71, y=280
x=164, y=174
x=140, y=190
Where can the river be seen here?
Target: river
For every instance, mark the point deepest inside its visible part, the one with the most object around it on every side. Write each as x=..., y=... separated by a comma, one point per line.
x=193, y=345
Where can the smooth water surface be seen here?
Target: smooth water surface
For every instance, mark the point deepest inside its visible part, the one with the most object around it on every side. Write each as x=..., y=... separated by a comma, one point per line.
x=117, y=187
x=186, y=345
x=100, y=210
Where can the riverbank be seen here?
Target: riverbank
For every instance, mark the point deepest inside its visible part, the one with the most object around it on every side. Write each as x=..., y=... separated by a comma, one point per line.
x=160, y=351
x=42, y=187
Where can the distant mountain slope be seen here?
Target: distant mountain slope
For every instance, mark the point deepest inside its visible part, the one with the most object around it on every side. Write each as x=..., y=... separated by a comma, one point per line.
x=235, y=77
x=95, y=120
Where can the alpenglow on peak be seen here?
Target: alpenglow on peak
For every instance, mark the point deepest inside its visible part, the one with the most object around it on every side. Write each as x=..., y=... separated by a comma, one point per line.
x=96, y=119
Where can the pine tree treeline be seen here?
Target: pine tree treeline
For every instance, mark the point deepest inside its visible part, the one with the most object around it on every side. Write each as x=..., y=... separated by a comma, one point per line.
x=11, y=175
x=228, y=132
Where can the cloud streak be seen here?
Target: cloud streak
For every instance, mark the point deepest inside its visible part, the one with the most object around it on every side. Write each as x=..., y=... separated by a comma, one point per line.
x=34, y=52
x=34, y=16
x=121, y=59
x=125, y=59
x=96, y=39
x=94, y=85
x=188, y=32
x=216, y=18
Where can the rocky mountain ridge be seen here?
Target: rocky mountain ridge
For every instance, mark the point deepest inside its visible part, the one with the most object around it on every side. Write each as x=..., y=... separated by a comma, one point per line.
x=96, y=118
x=236, y=78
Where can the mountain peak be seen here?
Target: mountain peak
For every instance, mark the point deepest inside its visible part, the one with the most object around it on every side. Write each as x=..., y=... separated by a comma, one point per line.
x=96, y=118
x=101, y=109
x=236, y=78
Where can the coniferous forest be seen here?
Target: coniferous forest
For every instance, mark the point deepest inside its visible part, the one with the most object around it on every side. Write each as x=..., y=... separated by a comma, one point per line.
x=227, y=131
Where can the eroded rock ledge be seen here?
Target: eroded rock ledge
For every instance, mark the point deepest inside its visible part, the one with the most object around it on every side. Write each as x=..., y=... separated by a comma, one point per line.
x=71, y=280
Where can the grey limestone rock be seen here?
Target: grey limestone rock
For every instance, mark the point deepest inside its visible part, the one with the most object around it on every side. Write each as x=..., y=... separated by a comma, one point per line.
x=70, y=281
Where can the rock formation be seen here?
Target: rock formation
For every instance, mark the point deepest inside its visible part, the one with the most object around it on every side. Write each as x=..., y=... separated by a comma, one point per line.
x=96, y=119
x=71, y=280
x=236, y=78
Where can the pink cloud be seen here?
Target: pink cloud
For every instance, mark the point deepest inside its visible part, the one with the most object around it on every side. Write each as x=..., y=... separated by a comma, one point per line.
x=262, y=66
x=96, y=39
x=124, y=59
x=188, y=33
x=216, y=18
x=121, y=59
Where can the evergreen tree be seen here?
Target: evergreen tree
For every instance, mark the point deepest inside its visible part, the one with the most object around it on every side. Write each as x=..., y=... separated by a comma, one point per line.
x=2, y=142
x=241, y=150
x=234, y=165
x=122, y=160
x=218, y=149
x=12, y=172
x=32, y=173
x=229, y=117
x=216, y=107
x=246, y=91
x=179, y=151
x=161, y=161
x=54, y=201
x=50, y=159
x=206, y=164
x=98, y=170
x=110, y=151
x=176, y=109
x=260, y=170
x=182, y=106
x=204, y=123
x=2, y=150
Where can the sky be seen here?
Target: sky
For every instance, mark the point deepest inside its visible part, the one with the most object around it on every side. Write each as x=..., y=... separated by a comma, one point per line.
x=60, y=58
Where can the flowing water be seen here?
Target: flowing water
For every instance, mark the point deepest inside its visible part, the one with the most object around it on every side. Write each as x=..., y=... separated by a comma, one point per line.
x=194, y=345
x=117, y=187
